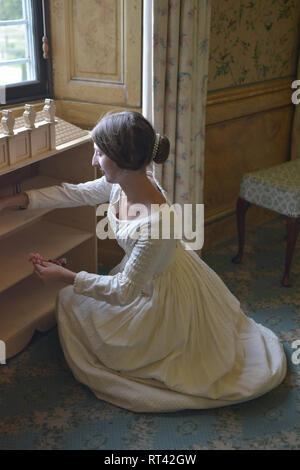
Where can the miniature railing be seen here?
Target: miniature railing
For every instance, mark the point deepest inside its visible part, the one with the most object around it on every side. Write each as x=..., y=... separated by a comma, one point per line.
x=31, y=139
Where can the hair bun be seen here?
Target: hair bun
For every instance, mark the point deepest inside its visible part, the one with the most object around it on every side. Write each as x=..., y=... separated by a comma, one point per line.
x=163, y=150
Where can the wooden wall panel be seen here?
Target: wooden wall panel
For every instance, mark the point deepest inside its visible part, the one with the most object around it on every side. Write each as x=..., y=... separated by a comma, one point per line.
x=238, y=146
x=96, y=51
x=85, y=115
x=95, y=40
x=247, y=129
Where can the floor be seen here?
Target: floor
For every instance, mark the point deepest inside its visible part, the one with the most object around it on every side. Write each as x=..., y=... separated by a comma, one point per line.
x=42, y=406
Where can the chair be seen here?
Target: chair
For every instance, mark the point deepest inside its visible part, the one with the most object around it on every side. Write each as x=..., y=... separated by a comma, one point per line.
x=276, y=188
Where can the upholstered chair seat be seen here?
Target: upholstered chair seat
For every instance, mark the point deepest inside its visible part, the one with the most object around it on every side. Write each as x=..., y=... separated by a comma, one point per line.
x=278, y=189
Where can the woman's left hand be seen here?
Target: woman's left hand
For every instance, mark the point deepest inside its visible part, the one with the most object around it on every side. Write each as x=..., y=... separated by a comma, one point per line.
x=48, y=272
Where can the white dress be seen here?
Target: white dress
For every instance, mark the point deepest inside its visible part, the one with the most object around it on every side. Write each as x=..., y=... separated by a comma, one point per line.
x=161, y=332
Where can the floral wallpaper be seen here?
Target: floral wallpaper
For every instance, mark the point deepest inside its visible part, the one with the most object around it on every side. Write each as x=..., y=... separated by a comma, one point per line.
x=252, y=41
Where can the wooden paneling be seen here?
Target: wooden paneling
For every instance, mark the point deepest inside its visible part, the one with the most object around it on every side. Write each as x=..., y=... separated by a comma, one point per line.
x=246, y=101
x=85, y=115
x=238, y=146
x=247, y=129
x=95, y=40
x=96, y=50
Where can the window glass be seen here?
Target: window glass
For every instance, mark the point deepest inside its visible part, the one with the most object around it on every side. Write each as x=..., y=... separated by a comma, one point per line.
x=17, y=57
x=11, y=10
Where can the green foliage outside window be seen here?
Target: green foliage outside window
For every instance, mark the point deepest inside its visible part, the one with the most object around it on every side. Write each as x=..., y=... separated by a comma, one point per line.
x=11, y=10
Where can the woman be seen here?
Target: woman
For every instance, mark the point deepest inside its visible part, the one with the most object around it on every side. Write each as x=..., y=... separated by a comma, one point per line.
x=161, y=332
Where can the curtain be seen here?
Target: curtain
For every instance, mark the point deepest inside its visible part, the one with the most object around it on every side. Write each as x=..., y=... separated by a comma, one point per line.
x=175, y=75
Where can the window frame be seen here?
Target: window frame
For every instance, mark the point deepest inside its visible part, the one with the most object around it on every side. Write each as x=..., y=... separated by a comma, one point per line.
x=42, y=86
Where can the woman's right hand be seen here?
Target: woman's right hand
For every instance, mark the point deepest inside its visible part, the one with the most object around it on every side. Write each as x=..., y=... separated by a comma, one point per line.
x=14, y=201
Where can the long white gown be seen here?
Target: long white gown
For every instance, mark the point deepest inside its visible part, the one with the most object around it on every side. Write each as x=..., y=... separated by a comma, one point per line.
x=161, y=332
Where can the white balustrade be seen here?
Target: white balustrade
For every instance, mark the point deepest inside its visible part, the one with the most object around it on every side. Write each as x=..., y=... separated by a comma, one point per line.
x=30, y=140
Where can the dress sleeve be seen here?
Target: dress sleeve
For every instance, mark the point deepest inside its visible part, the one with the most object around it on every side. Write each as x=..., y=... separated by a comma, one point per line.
x=90, y=193
x=145, y=260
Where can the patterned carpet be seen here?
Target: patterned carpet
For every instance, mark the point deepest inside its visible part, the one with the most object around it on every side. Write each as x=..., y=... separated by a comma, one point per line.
x=43, y=407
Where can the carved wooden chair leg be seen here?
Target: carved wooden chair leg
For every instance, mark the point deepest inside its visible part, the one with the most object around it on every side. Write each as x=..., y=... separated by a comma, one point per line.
x=241, y=208
x=292, y=230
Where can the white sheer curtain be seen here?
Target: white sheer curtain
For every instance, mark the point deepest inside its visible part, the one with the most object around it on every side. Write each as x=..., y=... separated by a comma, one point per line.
x=175, y=72
x=175, y=75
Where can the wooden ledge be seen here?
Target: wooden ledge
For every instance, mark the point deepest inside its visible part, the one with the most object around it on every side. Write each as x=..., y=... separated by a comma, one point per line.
x=233, y=103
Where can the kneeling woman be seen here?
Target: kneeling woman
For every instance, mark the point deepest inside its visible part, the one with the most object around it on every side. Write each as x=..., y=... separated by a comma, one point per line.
x=160, y=332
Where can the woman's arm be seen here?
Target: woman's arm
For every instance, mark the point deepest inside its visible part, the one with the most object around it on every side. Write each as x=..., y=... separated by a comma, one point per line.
x=90, y=193
x=16, y=200
x=122, y=288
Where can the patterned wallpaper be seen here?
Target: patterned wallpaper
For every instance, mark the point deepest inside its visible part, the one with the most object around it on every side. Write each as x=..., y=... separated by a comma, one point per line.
x=252, y=41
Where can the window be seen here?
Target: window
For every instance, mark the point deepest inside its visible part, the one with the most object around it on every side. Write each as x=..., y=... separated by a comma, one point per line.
x=24, y=72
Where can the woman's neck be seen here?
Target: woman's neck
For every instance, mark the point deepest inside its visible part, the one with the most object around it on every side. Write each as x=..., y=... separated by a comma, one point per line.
x=138, y=188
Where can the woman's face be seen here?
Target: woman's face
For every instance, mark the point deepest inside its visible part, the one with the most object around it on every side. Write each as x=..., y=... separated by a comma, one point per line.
x=108, y=167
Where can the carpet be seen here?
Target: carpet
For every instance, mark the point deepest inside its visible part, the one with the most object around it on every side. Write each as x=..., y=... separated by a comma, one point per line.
x=43, y=407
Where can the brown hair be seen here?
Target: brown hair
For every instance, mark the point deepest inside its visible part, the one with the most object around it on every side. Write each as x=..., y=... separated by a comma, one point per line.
x=128, y=139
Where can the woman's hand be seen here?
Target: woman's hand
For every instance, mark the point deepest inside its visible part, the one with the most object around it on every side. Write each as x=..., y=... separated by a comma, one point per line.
x=49, y=272
x=20, y=200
